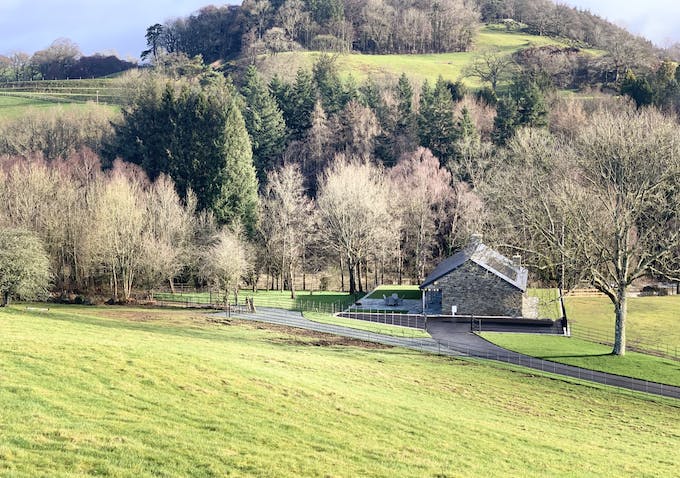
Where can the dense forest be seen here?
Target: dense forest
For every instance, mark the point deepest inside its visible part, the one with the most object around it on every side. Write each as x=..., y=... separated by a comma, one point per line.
x=376, y=26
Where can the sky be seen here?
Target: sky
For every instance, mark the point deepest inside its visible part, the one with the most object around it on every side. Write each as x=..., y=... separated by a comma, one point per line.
x=118, y=26
x=656, y=20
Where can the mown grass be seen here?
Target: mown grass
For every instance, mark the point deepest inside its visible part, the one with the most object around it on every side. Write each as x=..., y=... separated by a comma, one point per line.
x=409, y=292
x=574, y=351
x=142, y=392
x=12, y=107
x=418, y=68
x=377, y=328
x=326, y=301
x=651, y=320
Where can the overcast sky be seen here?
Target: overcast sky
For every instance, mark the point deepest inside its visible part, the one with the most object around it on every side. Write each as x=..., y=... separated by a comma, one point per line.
x=119, y=25
x=657, y=20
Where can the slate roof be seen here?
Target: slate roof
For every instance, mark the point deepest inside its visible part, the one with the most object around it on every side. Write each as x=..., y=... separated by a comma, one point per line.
x=485, y=257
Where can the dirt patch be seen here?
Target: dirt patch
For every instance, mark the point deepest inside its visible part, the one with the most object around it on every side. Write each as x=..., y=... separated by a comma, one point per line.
x=297, y=336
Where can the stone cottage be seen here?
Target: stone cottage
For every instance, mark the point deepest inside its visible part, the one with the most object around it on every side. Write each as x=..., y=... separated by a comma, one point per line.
x=477, y=281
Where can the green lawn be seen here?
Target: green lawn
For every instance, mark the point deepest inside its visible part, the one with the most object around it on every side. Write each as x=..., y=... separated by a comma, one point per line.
x=320, y=301
x=417, y=67
x=592, y=356
x=410, y=292
x=12, y=107
x=142, y=392
x=384, y=329
x=650, y=319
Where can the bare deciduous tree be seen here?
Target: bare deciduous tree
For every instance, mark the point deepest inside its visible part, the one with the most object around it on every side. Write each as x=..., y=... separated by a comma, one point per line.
x=606, y=209
x=490, y=66
x=224, y=262
x=424, y=195
x=287, y=224
x=353, y=205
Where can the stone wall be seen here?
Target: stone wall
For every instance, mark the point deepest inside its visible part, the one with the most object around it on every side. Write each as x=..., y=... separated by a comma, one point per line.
x=476, y=291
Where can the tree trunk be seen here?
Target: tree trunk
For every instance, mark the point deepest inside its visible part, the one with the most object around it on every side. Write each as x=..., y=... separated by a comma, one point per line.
x=5, y=299
x=114, y=285
x=621, y=309
x=358, y=272
x=342, y=276
x=172, y=285
x=292, y=285
x=352, y=283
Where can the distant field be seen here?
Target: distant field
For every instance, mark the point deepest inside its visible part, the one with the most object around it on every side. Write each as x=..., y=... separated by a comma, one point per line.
x=119, y=391
x=15, y=106
x=417, y=67
x=322, y=301
x=650, y=319
x=15, y=98
x=574, y=351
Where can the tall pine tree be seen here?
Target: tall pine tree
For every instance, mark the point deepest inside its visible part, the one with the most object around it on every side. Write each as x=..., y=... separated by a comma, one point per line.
x=264, y=122
x=197, y=135
x=436, y=124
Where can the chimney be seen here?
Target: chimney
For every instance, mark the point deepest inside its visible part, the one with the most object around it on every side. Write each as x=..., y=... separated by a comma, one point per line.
x=517, y=261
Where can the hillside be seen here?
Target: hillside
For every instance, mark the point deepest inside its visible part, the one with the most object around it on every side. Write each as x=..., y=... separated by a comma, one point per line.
x=417, y=67
x=142, y=392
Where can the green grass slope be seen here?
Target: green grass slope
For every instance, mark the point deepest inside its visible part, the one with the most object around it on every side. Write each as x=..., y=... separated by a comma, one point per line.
x=141, y=392
x=592, y=356
x=650, y=319
x=417, y=67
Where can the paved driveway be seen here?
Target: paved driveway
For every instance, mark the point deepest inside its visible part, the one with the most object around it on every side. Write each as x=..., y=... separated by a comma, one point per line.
x=455, y=339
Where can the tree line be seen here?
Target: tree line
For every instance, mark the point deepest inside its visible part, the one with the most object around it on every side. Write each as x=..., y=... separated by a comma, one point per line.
x=371, y=182
x=379, y=26
x=61, y=60
x=376, y=26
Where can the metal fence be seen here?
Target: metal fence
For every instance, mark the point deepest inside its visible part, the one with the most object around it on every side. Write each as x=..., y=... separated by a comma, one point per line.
x=388, y=318
x=594, y=335
x=465, y=348
x=604, y=378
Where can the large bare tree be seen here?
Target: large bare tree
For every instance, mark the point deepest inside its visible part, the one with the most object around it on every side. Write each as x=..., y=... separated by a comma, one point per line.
x=287, y=224
x=353, y=205
x=604, y=207
x=424, y=196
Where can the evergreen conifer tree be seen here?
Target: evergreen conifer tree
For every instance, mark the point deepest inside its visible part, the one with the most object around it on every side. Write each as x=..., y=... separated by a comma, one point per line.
x=264, y=122
x=436, y=124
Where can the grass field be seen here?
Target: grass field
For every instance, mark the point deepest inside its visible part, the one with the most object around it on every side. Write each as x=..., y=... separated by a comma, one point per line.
x=417, y=67
x=581, y=353
x=16, y=98
x=325, y=301
x=143, y=392
x=14, y=106
x=651, y=320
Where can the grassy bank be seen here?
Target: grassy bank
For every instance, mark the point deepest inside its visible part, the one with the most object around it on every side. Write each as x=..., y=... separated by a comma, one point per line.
x=574, y=351
x=143, y=392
